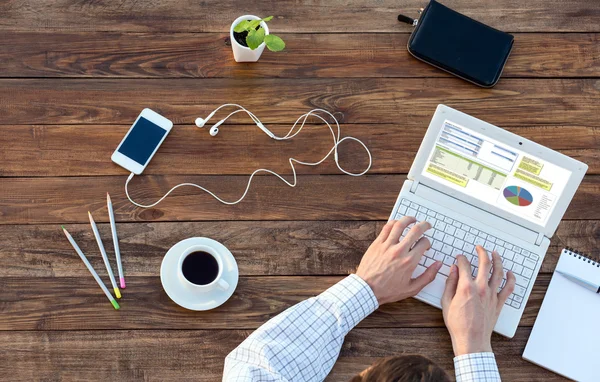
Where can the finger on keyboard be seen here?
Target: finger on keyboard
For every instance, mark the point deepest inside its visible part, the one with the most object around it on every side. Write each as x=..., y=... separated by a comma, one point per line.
x=449, y=237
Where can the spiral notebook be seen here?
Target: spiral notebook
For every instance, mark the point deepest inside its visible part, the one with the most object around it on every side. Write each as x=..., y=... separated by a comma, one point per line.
x=565, y=337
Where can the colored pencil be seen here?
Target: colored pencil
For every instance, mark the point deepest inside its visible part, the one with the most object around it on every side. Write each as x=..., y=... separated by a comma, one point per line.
x=113, y=228
x=114, y=302
x=104, y=257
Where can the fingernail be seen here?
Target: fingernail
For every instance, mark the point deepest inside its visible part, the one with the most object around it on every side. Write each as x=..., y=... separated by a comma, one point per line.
x=453, y=268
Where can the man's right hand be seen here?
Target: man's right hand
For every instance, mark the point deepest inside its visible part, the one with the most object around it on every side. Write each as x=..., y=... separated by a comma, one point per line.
x=471, y=306
x=389, y=263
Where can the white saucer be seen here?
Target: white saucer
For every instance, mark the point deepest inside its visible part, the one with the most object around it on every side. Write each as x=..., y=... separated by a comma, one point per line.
x=190, y=298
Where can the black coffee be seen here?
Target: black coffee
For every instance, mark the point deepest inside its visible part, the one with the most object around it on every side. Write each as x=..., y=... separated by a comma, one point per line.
x=200, y=268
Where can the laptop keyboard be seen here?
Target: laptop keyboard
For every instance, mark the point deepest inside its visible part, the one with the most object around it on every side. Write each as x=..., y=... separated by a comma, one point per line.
x=450, y=237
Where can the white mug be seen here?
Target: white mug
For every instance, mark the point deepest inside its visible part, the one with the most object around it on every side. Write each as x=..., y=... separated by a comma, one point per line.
x=217, y=283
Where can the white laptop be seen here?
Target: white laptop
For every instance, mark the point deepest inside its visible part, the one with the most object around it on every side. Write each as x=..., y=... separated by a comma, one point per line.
x=479, y=184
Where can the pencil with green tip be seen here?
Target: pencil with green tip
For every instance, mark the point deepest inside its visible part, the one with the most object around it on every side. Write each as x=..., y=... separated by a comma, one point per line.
x=104, y=257
x=90, y=268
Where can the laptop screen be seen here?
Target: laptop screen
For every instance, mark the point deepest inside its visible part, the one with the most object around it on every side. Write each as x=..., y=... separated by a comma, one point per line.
x=496, y=173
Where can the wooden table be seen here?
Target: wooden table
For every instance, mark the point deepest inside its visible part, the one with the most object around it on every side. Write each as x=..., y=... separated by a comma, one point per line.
x=77, y=73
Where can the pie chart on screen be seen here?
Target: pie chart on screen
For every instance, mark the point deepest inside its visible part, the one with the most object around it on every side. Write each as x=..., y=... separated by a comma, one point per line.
x=518, y=196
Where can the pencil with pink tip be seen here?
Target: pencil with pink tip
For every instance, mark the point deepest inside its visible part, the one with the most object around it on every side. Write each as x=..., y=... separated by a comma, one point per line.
x=113, y=228
x=114, y=302
x=104, y=257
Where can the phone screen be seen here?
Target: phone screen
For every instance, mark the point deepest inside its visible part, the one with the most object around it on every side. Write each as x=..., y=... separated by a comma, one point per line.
x=142, y=141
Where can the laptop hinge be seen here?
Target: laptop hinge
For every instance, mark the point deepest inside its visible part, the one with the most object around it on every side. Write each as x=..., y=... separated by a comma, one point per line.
x=413, y=187
x=540, y=237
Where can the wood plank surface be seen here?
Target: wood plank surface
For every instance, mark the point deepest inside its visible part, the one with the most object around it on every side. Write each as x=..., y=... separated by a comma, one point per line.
x=198, y=355
x=513, y=102
x=72, y=150
x=39, y=303
x=75, y=74
x=275, y=248
x=371, y=197
x=172, y=55
x=291, y=16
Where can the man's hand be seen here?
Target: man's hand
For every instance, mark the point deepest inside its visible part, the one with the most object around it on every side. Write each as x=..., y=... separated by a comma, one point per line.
x=471, y=306
x=388, y=264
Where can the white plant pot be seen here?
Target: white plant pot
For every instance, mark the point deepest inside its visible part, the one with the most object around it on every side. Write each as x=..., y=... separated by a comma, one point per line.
x=242, y=53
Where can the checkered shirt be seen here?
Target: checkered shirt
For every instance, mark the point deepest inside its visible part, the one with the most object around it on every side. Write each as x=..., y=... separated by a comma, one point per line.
x=303, y=342
x=476, y=367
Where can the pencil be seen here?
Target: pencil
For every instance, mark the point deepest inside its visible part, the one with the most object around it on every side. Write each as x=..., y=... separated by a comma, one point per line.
x=104, y=257
x=89, y=267
x=113, y=228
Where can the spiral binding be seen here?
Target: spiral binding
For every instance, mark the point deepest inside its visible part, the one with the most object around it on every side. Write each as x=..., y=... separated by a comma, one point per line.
x=583, y=256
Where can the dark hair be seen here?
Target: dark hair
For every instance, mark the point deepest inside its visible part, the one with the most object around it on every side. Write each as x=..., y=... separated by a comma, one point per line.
x=406, y=368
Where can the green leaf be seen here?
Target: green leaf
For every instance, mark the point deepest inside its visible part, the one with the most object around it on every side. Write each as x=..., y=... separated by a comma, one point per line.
x=274, y=43
x=255, y=38
x=242, y=26
x=253, y=24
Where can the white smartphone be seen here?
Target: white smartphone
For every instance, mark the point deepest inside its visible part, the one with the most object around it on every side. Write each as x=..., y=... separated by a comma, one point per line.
x=142, y=141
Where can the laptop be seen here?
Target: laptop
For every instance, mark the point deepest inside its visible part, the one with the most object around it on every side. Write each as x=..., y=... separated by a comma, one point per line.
x=478, y=184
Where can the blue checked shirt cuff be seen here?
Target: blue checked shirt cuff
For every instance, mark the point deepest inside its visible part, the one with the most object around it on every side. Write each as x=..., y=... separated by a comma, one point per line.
x=476, y=367
x=355, y=299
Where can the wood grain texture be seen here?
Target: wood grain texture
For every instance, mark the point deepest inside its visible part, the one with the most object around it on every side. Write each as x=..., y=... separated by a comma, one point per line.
x=291, y=16
x=189, y=355
x=371, y=197
x=261, y=248
x=511, y=103
x=208, y=55
x=72, y=150
x=38, y=303
x=76, y=73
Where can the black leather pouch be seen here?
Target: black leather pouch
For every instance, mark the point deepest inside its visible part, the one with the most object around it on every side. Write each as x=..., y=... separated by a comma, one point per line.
x=460, y=45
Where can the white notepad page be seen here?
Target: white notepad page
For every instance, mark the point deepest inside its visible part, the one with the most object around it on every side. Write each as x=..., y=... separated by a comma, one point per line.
x=566, y=334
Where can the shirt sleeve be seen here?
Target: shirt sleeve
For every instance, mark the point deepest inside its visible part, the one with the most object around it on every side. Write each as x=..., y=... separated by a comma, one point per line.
x=476, y=367
x=303, y=342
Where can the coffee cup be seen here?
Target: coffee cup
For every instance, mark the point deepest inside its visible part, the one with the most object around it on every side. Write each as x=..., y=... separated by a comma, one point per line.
x=200, y=267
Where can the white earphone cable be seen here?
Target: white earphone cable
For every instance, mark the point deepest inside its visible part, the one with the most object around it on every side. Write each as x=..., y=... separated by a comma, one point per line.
x=291, y=134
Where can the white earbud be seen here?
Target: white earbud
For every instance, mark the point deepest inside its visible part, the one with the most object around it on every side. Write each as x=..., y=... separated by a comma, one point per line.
x=200, y=122
x=214, y=130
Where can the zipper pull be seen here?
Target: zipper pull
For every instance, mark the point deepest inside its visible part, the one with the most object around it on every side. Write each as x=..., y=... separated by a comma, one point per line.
x=407, y=20
x=410, y=20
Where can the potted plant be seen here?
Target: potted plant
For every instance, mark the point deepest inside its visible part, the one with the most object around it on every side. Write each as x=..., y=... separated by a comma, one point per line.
x=249, y=35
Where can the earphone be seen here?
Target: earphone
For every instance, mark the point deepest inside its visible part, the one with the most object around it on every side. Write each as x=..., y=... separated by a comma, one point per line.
x=214, y=130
